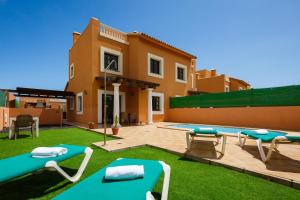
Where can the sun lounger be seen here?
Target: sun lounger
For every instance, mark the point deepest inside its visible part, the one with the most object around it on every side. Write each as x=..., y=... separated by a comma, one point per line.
x=23, y=164
x=273, y=137
x=206, y=132
x=97, y=187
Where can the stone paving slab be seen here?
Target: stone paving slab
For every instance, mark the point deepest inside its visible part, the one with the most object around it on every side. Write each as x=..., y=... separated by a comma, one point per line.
x=284, y=164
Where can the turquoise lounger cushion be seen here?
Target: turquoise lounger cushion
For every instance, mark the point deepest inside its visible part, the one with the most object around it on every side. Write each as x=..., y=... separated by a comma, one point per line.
x=293, y=138
x=96, y=187
x=205, y=131
x=264, y=137
x=23, y=164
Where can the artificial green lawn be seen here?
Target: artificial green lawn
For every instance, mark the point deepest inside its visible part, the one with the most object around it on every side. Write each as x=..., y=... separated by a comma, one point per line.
x=189, y=179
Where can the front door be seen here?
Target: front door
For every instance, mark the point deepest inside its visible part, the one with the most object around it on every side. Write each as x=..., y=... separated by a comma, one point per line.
x=109, y=108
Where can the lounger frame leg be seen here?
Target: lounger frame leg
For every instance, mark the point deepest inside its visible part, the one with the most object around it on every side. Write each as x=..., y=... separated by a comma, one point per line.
x=224, y=139
x=166, y=183
x=274, y=145
x=242, y=139
x=261, y=150
x=52, y=164
x=189, y=140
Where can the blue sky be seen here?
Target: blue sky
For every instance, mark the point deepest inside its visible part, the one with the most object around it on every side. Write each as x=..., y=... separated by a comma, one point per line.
x=256, y=40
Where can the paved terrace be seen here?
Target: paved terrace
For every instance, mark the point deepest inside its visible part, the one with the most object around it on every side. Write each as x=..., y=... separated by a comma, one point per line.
x=284, y=166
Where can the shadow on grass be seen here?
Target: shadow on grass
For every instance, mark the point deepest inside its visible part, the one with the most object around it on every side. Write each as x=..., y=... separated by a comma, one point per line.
x=278, y=161
x=204, y=149
x=185, y=159
x=156, y=195
x=20, y=136
x=35, y=185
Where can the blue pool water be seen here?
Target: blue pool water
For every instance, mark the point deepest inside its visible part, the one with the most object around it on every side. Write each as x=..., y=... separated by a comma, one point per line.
x=218, y=128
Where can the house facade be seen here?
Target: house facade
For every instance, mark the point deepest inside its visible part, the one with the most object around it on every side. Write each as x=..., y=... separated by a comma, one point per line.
x=141, y=74
x=209, y=81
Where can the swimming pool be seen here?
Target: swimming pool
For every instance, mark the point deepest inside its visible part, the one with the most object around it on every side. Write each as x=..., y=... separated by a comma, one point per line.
x=218, y=128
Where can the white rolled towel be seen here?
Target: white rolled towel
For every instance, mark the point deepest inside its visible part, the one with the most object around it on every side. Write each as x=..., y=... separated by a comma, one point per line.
x=261, y=131
x=45, y=152
x=206, y=129
x=124, y=172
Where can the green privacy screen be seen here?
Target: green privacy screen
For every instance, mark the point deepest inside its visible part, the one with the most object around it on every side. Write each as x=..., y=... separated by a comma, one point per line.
x=279, y=96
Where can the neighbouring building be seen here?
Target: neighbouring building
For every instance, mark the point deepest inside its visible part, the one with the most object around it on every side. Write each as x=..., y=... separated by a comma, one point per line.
x=9, y=100
x=50, y=110
x=208, y=81
x=143, y=72
x=31, y=102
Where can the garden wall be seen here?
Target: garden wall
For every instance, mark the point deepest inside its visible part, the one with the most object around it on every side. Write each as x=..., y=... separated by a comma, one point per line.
x=47, y=116
x=281, y=117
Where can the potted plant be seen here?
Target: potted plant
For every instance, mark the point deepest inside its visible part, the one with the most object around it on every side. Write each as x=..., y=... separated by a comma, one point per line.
x=92, y=125
x=115, y=127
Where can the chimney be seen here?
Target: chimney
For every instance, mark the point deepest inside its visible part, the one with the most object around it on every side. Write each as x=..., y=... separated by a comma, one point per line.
x=213, y=72
x=76, y=35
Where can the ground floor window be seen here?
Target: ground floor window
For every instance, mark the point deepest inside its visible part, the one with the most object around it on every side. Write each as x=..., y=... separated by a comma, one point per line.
x=79, y=100
x=71, y=103
x=227, y=88
x=157, y=103
x=110, y=106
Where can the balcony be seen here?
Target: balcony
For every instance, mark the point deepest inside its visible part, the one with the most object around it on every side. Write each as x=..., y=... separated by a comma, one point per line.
x=114, y=34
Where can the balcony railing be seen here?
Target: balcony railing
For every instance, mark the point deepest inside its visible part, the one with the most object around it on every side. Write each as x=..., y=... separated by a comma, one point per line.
x=113, y=34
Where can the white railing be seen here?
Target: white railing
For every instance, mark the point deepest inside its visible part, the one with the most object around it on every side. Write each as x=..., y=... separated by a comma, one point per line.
x=113, y=34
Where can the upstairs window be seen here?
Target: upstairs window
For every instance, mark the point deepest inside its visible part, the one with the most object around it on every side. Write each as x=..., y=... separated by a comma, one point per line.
x=71, y=72
x=79, y=101
x=107, y=56
x=155, y=66
x=181, y=73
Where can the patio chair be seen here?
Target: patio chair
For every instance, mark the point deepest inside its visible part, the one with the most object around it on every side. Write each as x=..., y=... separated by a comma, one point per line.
x=97, y=187
x=273, y=137
x=23, y=164
x=23, y=121
x=206, y=132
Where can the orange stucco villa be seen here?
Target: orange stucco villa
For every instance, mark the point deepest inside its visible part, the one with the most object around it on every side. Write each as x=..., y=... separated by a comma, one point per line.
x=144, y=74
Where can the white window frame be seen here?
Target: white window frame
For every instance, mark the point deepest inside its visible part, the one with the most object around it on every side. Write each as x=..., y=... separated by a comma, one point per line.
x=114, y=52
x=241, y=88
x=161, y=60
x=227, y=88
x=71, y=76
x=161, y=103
x=79, y=95
x=184, y=67
x=71, y=106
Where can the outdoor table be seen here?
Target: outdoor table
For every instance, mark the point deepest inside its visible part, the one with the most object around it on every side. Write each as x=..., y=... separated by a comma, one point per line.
x=11, y=127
